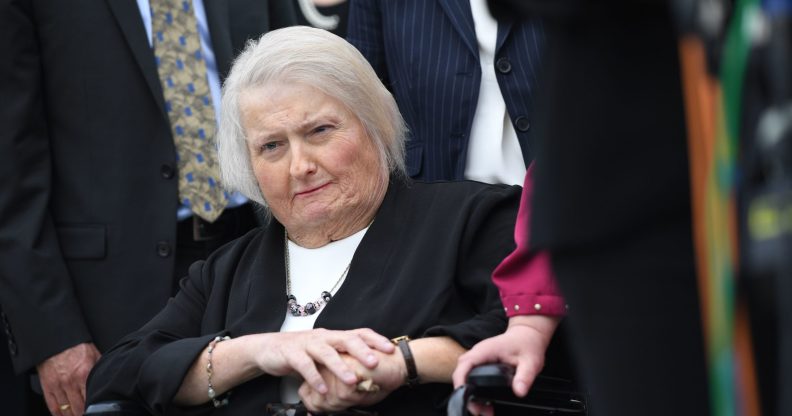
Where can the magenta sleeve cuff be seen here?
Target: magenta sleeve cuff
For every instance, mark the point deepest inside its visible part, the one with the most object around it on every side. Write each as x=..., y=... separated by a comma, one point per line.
x=533, y=304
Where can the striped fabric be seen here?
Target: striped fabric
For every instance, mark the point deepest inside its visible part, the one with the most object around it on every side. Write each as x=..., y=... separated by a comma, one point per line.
x=426, y=52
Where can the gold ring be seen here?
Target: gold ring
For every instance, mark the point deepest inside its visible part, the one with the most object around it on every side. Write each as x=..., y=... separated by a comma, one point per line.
x=367, y=386
x=64, y=407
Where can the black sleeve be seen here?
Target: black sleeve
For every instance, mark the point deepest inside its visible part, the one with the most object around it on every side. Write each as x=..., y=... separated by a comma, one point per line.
x=149, y=365
x=487, y=239
x=41, y=312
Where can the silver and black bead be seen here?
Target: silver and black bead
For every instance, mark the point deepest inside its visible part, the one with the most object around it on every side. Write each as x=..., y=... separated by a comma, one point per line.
x=310, y=308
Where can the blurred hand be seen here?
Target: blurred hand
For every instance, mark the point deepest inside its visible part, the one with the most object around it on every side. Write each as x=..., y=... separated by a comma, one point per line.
x=300, y=352
x=63, y=378
x=388, y=376
x=523, y=345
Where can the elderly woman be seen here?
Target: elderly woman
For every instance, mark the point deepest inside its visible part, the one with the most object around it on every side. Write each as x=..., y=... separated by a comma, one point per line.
x=354, y=255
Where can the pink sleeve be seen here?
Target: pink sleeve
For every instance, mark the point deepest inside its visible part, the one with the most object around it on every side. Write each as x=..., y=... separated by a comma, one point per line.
x=524, y=278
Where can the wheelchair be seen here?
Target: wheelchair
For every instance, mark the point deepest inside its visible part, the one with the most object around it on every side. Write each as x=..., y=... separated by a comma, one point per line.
x=553, y=392
x=486, y=383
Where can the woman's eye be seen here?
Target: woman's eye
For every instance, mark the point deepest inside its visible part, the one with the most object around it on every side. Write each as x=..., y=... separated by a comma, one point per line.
x=322, y=128
x=269, y=147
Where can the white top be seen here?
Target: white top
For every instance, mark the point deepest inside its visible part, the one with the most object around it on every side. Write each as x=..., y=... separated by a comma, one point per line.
x=313, y=271
x=494, y=154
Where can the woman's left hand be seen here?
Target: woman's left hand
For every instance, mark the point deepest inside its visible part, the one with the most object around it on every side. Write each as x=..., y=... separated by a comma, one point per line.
x=387, y=376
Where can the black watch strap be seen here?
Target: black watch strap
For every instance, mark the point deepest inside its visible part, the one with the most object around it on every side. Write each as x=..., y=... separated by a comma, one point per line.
x=409, y=360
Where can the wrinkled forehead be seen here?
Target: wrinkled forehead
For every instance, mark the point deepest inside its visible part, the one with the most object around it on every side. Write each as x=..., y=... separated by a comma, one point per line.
x=279, y=94
x=277, y=107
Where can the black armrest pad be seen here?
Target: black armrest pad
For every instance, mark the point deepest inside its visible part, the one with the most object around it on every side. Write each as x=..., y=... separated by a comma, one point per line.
x=554, y=395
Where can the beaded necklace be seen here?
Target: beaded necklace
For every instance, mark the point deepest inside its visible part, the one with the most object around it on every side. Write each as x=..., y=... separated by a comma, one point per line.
x=310, y=308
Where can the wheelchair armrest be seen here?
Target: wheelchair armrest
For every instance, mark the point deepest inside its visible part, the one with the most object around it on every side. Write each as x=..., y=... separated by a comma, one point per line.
x=492, y=383
x=116, y=408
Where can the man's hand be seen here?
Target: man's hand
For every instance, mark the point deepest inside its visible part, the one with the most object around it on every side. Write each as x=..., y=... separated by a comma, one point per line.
x=63, y=378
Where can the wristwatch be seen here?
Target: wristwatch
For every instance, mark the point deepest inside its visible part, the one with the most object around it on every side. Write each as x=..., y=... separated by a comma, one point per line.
x=412, y=372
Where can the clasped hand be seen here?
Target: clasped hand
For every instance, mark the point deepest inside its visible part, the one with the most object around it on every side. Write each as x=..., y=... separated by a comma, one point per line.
x=332, y=363
x=387, y=376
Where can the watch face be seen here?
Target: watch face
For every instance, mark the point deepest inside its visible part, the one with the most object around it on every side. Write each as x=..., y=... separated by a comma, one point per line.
x=396, y=340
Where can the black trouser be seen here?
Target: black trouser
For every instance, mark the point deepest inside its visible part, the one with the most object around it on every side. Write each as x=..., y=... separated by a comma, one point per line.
x=635, y=324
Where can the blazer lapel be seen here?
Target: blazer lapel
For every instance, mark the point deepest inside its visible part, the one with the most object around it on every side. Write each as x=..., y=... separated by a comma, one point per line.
x=461, y=17
x=217, y=17
x=263, y=308
x=504, y=29
x=128, y=17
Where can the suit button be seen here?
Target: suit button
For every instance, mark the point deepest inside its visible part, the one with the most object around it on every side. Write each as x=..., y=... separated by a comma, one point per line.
x=503, y=65
x=522, y=123
x=167, y=171
x=12, y=347
x=163, y=249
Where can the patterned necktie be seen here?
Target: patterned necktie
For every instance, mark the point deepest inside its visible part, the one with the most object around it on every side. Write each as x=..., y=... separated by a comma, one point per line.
x=188, y=102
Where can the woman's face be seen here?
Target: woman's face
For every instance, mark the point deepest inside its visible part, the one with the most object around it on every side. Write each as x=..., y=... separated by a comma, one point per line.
x=312, y=158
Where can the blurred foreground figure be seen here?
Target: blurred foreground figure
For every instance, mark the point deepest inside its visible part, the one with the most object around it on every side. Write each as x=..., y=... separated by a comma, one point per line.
x=612, y=203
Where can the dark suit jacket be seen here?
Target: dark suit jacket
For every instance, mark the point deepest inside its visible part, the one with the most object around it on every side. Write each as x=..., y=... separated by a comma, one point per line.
x=422, y=269
x=89, y=196
x=426, y=52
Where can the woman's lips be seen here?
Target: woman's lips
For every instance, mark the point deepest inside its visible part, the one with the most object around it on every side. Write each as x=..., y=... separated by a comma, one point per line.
x=311, y=191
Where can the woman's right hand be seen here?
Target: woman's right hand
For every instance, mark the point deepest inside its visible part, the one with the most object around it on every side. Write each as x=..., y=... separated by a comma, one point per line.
x=299, y=352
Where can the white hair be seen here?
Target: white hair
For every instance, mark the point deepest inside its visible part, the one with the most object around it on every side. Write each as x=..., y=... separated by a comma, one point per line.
x=318, y=59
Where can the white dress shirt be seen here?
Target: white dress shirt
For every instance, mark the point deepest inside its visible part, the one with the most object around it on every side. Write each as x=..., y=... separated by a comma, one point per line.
x=494, y=154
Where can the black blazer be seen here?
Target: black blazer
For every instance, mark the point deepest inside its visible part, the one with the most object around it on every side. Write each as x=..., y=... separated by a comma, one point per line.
x=89, y=198
x=426, y=52
x=422, y=269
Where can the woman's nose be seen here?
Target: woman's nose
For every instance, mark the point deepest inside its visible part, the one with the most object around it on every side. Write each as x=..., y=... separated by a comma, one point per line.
x=302, y=162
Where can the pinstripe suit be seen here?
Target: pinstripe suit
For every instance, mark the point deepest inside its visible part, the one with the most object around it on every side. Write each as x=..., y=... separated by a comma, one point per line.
x=426, y=52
